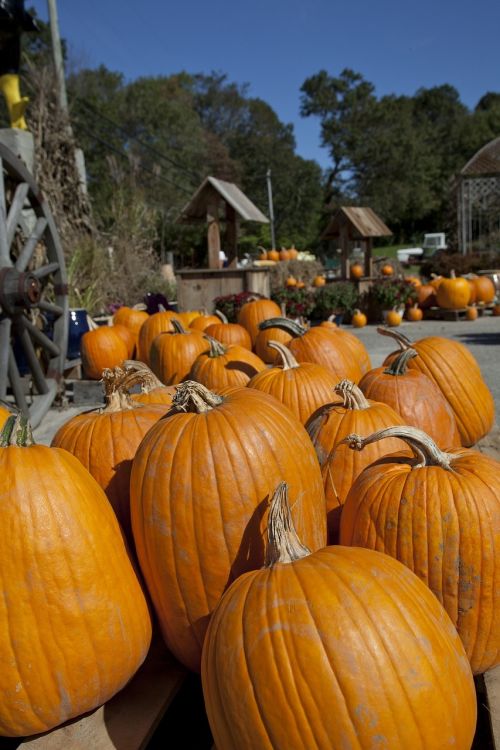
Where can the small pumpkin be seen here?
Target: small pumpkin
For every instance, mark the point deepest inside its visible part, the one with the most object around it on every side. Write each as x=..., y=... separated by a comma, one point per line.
x=157, y=323
x=415, y=281
x=387, y=270
x=173, y=354
x=302, y=387
x=359, y=319
x=414, y=313
x=273, y=255
x=291, y=281
x=453, y=293
x=284, y=254
x=293, y=253
x=393, y=318
x=208, y=471
x=254, y=312
x=471, y=312
x=415, y=397
x=426, y=296
x=434, y=512
x=329, y=322
x=357, y=271
x=485, y=289
x=319, y=281
x=339, y=648
x=105, y=440
x=301, y=284
x=229, y=333
x=222, y=366
x=75, y=625
x=101, y=348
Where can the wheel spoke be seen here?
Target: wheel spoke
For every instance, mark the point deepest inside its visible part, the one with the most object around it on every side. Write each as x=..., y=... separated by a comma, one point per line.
x=16, y=384
x=5, y=326
x=29, y=351
x=4, y=245
x=50, y=308
x=15, y=210
x=29, y=248
x=40, y=273
x=41, y=338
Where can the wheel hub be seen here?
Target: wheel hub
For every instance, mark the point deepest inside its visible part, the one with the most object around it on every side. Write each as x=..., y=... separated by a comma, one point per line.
x=18, y=291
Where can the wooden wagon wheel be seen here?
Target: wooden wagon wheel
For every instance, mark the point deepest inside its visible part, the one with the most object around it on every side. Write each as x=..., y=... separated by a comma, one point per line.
x=33, y=293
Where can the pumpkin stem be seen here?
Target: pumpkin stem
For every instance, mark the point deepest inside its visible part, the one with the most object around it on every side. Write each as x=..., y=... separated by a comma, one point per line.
x=217, y=349
x=16, y=431
x=195, y=398
x=284, y=545
x=399, y=365
x=403, y=341
x=288, y=361
x=178, y=327
x=424, y=448
x=148, y=380
x=293, y=328
x=352, y=396
x=116, y=384
x=221, y=316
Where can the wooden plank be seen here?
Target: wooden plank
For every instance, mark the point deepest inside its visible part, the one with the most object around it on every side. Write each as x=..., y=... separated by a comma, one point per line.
x=128, y=720
x=492, y=684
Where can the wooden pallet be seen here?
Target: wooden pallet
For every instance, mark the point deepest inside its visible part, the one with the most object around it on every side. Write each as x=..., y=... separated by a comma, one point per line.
x=129, y=719
x=442, y=313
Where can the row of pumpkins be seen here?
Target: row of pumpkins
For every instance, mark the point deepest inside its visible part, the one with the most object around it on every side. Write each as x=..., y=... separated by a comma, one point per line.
x=455, y=292
x=228, y=496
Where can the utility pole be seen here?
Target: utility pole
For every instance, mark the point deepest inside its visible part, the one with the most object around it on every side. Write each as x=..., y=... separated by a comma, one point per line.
x=271, y=209
x=57, y=52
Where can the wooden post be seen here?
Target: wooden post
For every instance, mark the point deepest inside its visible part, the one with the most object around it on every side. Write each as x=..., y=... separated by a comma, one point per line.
x=344, y=244
x=368, y=257
x=231, y=235
x=213, y=234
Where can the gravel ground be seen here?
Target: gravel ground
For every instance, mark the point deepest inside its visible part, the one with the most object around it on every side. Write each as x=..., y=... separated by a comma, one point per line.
x=482, y=336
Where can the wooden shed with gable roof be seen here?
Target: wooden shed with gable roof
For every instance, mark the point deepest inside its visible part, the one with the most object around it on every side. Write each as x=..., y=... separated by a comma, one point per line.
x=216, y=201
x=354, y=226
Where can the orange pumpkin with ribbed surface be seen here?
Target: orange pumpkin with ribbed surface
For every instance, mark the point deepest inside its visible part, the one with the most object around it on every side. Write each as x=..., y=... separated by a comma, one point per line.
x=74, y=625
x=356, y=347
x=222, y=366
x=456, y=372
x=208, y=472
x=471, y=313
x=453, y=293
x=127, y=336
x=130, y=318
x=229, y=333
x=438, y=513
x=426, y=296
x=273, y=255
x=202, y=322
x=173, y=354
x=4, y=415
x=414, y=313
x=157, y=323
x=302, y=387
x=357, y=271
x=101, y=348
x=415, y=397
x=253, y=313
x=327, y=429
x=267, y=354
x=322, y=346
x=485, y=289
x=188, y=317
x=105, y=440
x=342, y=648
x=393, y=318
x=359, y=319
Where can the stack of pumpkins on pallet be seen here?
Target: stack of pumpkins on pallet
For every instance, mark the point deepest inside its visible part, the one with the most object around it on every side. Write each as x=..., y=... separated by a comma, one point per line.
x=458, y=293
x=227, y=489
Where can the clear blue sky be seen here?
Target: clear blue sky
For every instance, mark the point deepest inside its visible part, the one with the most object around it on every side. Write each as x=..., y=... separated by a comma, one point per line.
x=274, y=45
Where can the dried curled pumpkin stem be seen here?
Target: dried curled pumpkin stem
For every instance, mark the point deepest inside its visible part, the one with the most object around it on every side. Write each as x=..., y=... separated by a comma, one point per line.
x=117, y=383
x=399, y=365
x=16, y=431
x=293, y=328
x=284, y=545
x=424, y=448
x=194, y=397
x=148, y=380
x=288, y=361
x=403, y=341
x=221, y=316
x=352, y=396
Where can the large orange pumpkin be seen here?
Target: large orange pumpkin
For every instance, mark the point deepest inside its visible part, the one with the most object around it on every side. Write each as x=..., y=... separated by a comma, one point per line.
x=456, y=373
x=254, y=312
x=131, y=318
x=438, y=513
x=202, y=322
x=127, y=336
x=74, y=624
x=200, y=487
x=229, y=333
x=105, y=440
x=100, y=348
x=327, y=429
x=222, y=366
x=302, y=387
x=4, y=415
x=415, y=397
x=173, y=354
x=453, y=293
x=485, y=289
x=267, y=354
x=341, y=648
x=157, y=323
x=321, y=346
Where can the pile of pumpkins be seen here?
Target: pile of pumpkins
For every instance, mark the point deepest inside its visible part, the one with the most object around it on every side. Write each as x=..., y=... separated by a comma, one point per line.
x=317, y=537
x=454, y=293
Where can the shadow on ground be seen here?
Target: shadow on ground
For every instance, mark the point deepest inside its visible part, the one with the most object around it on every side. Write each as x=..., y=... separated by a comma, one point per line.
x=490, y=339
